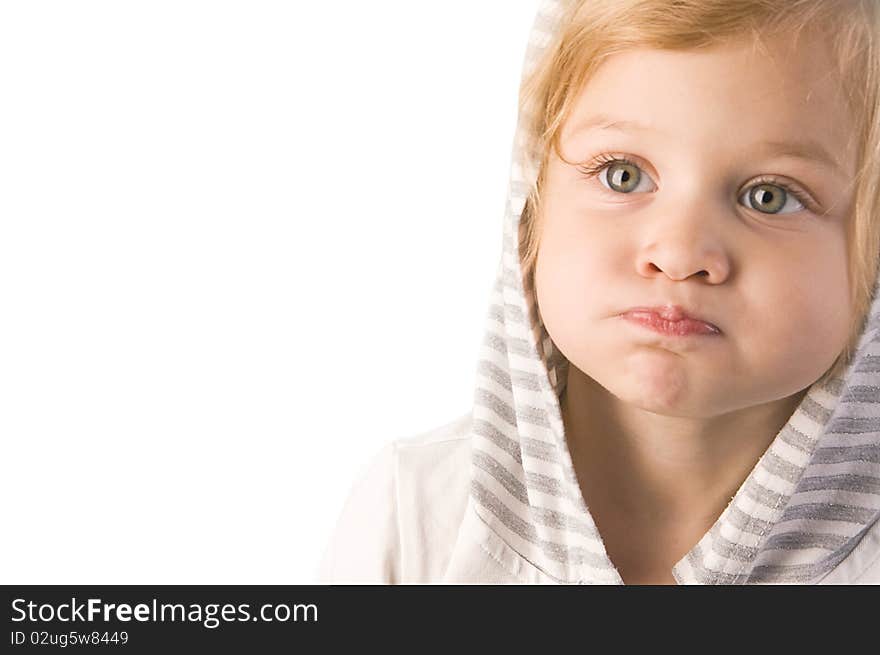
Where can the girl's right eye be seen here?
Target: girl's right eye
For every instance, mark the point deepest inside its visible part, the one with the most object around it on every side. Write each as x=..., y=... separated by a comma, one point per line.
x=617, y=174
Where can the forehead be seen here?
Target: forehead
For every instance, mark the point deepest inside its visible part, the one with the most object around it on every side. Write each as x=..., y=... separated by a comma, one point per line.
x=736, y=95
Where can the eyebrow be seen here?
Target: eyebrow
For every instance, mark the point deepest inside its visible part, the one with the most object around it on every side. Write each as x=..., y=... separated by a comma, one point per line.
x=807, y=150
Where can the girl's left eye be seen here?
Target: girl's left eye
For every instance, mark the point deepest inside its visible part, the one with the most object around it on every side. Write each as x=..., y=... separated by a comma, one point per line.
x=766, y=195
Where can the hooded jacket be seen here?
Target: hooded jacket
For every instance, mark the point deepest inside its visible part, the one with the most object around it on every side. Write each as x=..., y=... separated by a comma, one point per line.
x=492, y=496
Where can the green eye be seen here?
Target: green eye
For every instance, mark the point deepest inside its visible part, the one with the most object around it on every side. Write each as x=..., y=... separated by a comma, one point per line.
x=618, y=175
x=623, y=177
x=771, y=198
x=766, y=197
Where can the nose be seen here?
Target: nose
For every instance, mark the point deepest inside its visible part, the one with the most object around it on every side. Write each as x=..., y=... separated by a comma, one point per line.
x=687, y=247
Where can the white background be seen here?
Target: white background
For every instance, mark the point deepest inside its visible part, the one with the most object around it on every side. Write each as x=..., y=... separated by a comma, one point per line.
x=243, y=245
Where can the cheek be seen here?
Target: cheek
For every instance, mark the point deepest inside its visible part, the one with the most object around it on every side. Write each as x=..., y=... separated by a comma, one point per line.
x=801, y=315
x=572, y=282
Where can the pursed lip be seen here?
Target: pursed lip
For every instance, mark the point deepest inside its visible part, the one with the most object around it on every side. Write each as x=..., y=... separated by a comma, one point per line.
x=674, y=314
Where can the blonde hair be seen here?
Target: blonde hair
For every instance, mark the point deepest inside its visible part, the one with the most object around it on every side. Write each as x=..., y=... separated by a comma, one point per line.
x=592, y=30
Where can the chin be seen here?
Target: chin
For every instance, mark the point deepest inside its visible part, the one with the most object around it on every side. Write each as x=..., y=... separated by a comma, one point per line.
x=660, y=392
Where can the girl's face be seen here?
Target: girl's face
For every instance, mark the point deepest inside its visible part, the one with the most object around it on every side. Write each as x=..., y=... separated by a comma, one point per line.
x=733, y=203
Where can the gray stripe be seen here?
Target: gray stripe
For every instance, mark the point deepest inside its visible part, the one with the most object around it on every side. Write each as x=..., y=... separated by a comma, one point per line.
x=862, y=394
x=854, y=424
x=520, y=347
x=559, y=521
x=502, y=343
x=814, y=410
x=707, y=576
x=531, y=415
x=866, y=453
x=505, y=443
x=526, y=380
x=828, y=512
x=540, y=450
x=489, y=400
x=748, y=523
x=781, y=467
x=722, y=546
x=865, y=484
x=507, y=313
x=797, y=540
x=868, y=364
x=797, y=439
x=493, y=341
x=491, y=466
x=514, y=314
x=795, y=573
x=834, y=386
x=761, y=494
x=492, y=371
x=545, y=484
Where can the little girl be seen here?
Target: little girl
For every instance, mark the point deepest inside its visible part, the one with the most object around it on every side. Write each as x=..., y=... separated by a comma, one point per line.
x=678, y=381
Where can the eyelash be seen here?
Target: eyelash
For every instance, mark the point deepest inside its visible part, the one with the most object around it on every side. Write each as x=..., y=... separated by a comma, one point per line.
x=602, y=162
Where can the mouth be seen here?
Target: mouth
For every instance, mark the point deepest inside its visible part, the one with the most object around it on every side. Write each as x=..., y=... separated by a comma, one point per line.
x=670, y=320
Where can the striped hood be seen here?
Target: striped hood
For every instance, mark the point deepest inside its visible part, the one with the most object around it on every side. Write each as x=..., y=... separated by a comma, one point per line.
x=807, y=502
